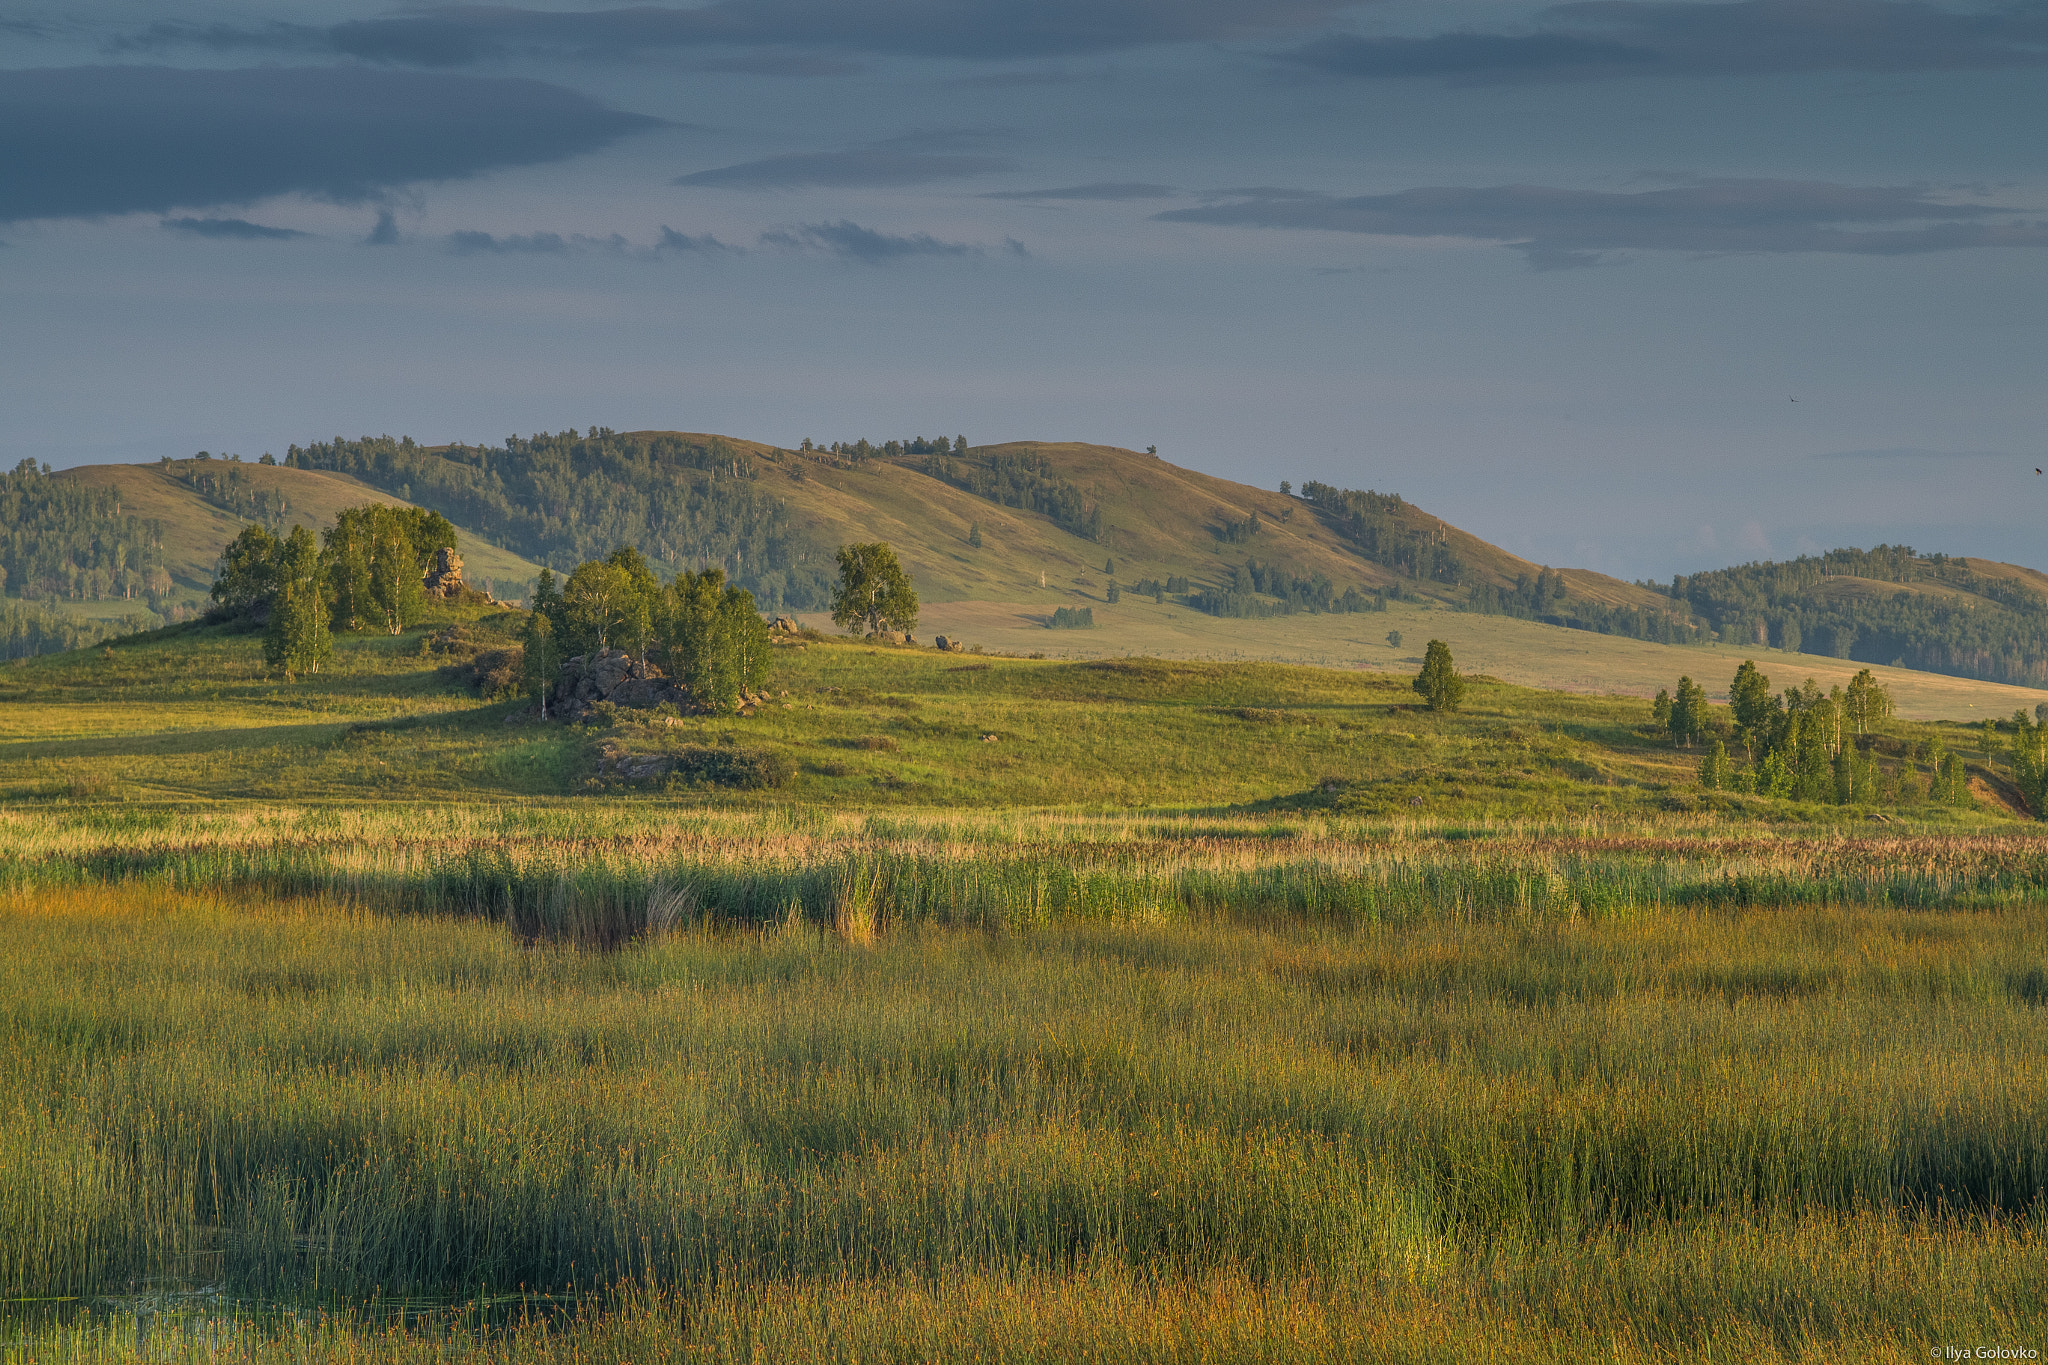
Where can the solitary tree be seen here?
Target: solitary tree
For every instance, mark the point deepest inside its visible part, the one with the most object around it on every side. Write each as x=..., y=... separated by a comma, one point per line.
x=1394, y=638
x=974, y=534
x=540, y=656
x=1439, y=682
x=873, y=591
x=1714, y=768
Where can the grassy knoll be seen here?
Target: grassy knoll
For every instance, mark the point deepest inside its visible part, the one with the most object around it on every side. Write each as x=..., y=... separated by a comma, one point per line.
x=1779, y=1133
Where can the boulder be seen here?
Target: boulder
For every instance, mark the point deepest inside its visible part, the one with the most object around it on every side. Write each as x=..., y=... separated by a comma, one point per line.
x=950, y=646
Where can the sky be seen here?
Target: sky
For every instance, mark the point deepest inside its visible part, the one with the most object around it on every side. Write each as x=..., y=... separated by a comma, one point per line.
x=1642, y=286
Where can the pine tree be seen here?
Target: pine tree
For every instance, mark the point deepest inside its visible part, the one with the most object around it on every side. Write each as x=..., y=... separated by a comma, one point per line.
x=1660, y=710
x=1439, y=683
x=974, y=534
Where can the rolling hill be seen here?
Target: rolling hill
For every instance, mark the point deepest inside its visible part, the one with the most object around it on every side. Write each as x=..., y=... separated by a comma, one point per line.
x=998, y=537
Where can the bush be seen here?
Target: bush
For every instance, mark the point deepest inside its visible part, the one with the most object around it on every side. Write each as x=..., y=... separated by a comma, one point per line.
x=746, y=769
x=1072, y=618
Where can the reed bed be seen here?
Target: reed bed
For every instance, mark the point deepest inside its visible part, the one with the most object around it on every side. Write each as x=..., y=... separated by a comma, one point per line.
x=594, y=876
x=1695, y=1131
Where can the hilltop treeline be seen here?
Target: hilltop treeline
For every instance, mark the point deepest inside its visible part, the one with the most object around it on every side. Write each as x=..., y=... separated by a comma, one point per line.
x=565, y=498
x=1986, y=627
x=63, y=541
x=226, y=484
x=1018, y=479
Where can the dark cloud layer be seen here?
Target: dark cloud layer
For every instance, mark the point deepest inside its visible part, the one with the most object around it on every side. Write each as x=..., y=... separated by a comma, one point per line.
x=1110, y=190
x=1607, y=38
x=231, y=229
x=87, y=141
x=458, y=35
x=858, y=167
x=1573, y=227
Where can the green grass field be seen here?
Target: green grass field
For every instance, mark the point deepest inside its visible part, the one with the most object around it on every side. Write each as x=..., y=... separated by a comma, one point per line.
x=1114, y=1009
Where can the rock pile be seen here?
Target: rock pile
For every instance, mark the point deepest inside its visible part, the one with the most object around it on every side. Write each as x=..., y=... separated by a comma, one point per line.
x=615, y=676
x=950, y=646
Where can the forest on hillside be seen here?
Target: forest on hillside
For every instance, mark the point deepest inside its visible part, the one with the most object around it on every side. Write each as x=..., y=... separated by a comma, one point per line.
x=560, y=499
x=61, y=541
x=1972, y=625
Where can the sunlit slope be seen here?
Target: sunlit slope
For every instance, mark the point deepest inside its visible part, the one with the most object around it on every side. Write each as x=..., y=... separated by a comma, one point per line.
x=1158, y=521
x=197, y=526
x=1526, y=653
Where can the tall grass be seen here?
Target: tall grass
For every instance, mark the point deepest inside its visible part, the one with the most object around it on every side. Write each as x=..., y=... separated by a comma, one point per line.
x=1684, y=1131
x=591, y=877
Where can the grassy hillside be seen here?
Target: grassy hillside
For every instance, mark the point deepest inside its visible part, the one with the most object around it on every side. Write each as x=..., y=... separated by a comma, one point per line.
x=191, y=715
x=203, y=504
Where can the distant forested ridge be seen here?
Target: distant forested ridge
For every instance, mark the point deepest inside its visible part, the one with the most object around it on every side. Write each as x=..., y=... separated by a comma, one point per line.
x=1945, y=617
x=566, y=498
x=61, y=541
x=1017, y=479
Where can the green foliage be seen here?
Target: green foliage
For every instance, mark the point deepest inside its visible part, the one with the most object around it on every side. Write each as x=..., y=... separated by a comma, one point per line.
x=373, y=564
x=61, y=540
x=1749, y=697
x=1113, y=594
x=1974, y=625
x=246, y=584
x=1867, y=703
x=974, y=534
x=1245, y=595
x=1687, y=713
x=1394, y=639
x=1388, y=531
x=714, y=640
x=1071, y=618
x=541, y=655
x=564, y=499
x=1020, y=479
x=873, y=593
x=1714, y=771
x=297, y=640
x=1439, y=682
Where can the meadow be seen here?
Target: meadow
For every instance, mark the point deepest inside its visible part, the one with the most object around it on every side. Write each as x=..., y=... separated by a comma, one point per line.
x=1209, y=1011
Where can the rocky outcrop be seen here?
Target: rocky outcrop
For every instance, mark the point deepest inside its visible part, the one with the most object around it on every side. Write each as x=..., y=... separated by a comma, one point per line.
x=444, y=576
x=950, y=646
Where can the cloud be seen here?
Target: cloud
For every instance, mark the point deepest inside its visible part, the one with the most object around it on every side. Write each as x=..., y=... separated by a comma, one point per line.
x=88, y=141
x=530, y=244
x=385, y=233
x=852, y=242
x=671, y=240
x=915, y=159
x=1598, y=39
x=1102, y=189
x=233, y=229
x=978, y=29
x=1558, y=228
